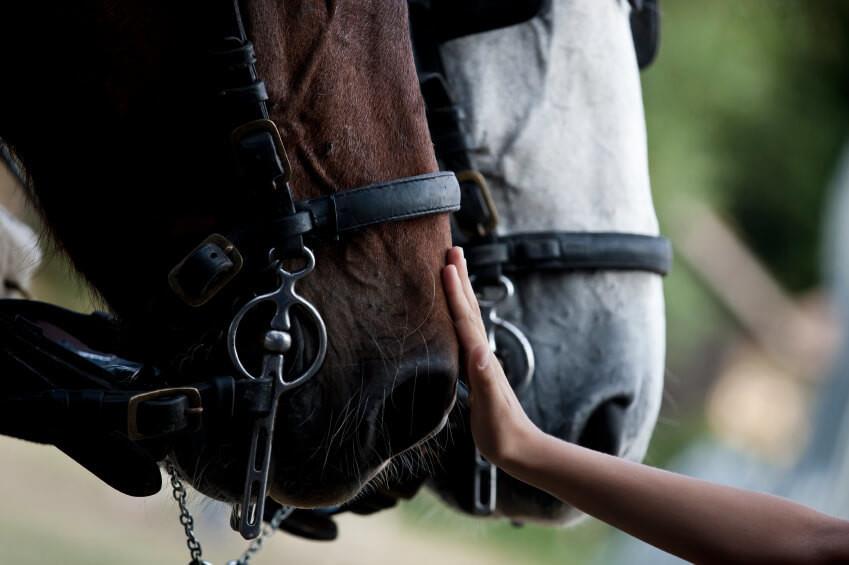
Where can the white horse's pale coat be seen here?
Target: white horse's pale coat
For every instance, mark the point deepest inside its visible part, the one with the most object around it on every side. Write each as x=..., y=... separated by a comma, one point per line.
x=555, y=114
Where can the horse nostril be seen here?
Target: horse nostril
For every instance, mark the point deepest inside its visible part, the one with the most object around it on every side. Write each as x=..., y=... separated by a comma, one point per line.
x=603, y=429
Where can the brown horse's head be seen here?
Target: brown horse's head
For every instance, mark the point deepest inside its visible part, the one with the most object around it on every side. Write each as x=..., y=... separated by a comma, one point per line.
x=109, y=116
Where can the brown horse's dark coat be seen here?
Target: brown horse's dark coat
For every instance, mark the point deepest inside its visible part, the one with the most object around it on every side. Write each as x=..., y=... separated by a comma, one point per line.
x=102, y=101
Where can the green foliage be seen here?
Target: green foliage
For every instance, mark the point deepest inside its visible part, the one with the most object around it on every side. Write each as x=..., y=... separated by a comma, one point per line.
x=746, y=110
x=779, y=155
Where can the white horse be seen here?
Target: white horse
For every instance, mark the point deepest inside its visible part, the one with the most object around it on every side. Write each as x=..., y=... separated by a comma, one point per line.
x=555, y=115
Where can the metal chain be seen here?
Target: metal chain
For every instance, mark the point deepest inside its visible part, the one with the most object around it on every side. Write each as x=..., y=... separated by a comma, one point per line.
x=179, y=493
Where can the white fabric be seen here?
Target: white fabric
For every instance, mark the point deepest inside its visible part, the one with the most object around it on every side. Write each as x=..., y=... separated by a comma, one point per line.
x=20, y=255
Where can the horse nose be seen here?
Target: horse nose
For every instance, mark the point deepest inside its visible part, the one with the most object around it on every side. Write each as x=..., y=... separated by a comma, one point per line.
x=415, y=405
x=604, y=427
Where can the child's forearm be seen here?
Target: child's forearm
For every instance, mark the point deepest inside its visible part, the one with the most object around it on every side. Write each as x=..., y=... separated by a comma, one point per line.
x=696, y=520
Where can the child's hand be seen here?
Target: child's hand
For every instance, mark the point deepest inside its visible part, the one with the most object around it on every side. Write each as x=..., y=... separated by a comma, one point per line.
x=499, y=424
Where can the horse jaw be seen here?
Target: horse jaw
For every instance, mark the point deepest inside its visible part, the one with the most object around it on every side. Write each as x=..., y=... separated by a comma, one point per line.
x=555, y=114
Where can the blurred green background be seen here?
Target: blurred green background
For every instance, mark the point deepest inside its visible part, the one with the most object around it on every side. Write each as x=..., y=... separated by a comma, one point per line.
x=747, y=109
x=747, y=114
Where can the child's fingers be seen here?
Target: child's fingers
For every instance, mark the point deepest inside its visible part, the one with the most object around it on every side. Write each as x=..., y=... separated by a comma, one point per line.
x=482, y=379
x=455, y=257
x=466, y=320
x=486, y=376
x=463, y=271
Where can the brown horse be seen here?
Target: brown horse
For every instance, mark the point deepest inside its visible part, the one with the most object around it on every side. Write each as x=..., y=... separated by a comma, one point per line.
x=104, y=106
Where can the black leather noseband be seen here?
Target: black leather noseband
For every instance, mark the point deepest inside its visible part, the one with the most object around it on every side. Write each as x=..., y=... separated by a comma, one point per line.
x=350, y=211
x=571, y=251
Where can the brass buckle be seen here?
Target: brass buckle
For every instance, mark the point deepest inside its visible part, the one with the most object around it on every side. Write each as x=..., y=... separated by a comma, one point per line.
x=478, y=179
x=271, y=128
x=232, y=253
x=195, y=403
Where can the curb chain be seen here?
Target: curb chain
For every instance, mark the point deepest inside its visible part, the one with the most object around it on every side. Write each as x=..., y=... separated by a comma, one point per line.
x=180, y=495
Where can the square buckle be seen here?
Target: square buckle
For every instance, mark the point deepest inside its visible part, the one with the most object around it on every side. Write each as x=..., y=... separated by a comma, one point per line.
x=476, y=178
x=217, y=247
x=270, y=128
x=195, y=407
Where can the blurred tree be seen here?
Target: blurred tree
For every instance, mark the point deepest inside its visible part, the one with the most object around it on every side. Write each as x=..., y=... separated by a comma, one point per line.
x=780, y=155
x=746, y=110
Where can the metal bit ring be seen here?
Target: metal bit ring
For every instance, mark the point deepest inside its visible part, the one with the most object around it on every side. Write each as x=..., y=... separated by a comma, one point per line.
x=493, y=322
x=283, y=298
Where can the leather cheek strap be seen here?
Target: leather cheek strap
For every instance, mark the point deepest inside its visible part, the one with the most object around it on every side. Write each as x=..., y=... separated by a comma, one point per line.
x=210, y=267
x=341, y=213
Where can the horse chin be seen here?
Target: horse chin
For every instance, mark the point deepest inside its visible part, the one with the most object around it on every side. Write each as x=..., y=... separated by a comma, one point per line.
x=300, y=494
x=323, y=457
x=329, y=495
x=296, y=492
x=333, y=495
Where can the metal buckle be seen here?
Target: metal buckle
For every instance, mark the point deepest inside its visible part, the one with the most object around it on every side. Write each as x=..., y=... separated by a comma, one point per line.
x=193, y=394
x=223, y=279
x=478, y=179
x=485, y=487
x=271, y=128
x=493, y=322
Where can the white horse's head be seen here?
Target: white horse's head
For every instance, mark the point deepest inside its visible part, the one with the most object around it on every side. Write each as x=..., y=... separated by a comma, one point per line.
x=555, y=115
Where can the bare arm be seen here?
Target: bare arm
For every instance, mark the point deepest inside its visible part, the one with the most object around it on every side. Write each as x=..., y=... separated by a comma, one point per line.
x=695, y=520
